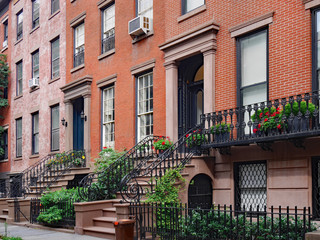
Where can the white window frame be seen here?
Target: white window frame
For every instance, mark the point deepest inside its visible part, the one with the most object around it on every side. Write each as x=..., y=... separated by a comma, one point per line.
x=35, y=65
x=108, y=17
x=185, y=8
x=19, y=138
x=79, y=32
x=35, y=10
x=108, y=117
x=55, y=130
x=55, y=74
x=19, y=89
x=146, y=12
x=144, y=106
x=35, y=133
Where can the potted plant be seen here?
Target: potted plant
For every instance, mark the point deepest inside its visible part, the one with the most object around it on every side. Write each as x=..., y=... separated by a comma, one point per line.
x=268, y=121
x=194, y=140
x=295, y=109
x=221, y=132
x=161, y=145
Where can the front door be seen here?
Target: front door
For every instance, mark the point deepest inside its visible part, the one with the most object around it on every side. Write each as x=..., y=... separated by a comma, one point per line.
x=78, y=124
x=200, y=192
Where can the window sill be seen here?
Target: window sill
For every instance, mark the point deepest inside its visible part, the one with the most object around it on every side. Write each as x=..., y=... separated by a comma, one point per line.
x=4, y=160
x=54, y=152
x=18, y=41
x=17, y=97
x=139, y=38
x=33, y=89
x=54, y=14
x=54, y=79
x=77, y=68
x=34, y=156
x=106, y=54
x=192, y=13
x=34, y=29
x=18, y=159
x=5, y=48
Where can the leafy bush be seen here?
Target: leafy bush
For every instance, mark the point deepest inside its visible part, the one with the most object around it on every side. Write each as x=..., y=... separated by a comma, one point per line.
x=295, y=108
x=10, y=238
x=196, y=138
x=220, y=128
x=162, y=144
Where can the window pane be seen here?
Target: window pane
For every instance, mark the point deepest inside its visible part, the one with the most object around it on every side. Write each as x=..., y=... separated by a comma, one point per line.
x=254, y=59
x=54, y=6
x=36, y=123
x=35, y=63
x=145, y=8
x=19, y=137
x=255, y=94
x=55, y=58
x=108, y=117
x=55, y=120
x=192, y=4
x=79, y=38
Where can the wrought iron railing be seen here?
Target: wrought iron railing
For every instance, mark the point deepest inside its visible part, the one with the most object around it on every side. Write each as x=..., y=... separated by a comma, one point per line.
x=108, y=42
x=292, y=117
x=102, y=185
x=38, y=177
x=78, y=58
x=142, y=178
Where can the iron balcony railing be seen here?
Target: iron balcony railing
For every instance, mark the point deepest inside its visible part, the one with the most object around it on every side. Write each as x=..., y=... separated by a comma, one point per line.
x=294, y=117
x=78, y=58
x=108, y=42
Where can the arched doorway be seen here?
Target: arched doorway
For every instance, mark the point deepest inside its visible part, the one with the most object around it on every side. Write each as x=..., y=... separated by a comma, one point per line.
x=200, y=192
x=190, y=93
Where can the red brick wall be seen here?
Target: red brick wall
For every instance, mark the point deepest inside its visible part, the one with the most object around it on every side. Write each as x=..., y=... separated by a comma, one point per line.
x=126, y=56
x=289, y=43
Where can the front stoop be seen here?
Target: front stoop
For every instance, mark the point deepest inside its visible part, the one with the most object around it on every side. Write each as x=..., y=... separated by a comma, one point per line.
x=313, y=235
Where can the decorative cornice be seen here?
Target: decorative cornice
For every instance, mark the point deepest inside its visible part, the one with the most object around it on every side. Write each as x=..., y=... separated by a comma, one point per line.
x=143, y=66
x=86, y=80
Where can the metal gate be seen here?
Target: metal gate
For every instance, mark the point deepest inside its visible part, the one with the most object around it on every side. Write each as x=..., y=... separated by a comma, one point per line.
x=316, y=187
x=200, y=192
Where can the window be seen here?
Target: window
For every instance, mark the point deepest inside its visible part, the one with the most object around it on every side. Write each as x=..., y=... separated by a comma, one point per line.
x=19, y=78
x=19, y=137
x=252, y=70
x=54, y=6
x=145, y=105
x=250, y=185
x=79, y=45
x=316, y=50
x=35, y=64
x=19, y=25
x=189, y=5
x=108, y=117
x=145, y=8
x=4, y=145
x=55, y=130
x=108, y=23
x=35, y=133
x=35, y=13
x=55, y=58
x=5, y=31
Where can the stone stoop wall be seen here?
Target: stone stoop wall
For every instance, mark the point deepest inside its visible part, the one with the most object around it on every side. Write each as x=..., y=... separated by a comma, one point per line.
x=24, y=208
x=289, y=174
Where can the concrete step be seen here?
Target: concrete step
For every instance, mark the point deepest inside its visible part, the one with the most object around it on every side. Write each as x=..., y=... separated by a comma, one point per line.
x=5, y=211
x=3, y=218
x=101, y=232
x=109, y=212
x=106, y=222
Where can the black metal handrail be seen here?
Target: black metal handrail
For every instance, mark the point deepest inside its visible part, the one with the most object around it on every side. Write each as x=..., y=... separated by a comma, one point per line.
x=78, y=58
x=38, y=177
x=286, y=118
x=105, y=184
x=134, y=186
x=108, y=42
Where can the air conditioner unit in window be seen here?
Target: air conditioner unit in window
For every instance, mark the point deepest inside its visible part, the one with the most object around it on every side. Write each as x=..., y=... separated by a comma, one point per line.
x=5, y=43
x=140, y=25
x=34, y=82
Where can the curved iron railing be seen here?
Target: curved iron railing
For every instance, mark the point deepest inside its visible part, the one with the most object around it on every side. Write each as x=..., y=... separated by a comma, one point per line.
x=142, y=178
x=102, y=185
x=38, y=177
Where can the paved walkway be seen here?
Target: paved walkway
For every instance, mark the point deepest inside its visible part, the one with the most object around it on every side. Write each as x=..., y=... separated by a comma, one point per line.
x=27, y=233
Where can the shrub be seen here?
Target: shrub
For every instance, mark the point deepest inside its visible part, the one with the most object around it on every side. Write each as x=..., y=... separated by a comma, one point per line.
x=220, y=128
x=196, y=138
x=162, y=144
x=295, y=108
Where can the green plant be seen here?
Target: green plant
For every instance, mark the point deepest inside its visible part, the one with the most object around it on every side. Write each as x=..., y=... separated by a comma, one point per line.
x=294, y=109
x=162, y=144
x=196, y=138
x=220, y=128
x=77, y=162
x=269, y=118
x=10, y=238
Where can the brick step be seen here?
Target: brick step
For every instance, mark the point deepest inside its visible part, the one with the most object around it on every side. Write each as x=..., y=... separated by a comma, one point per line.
x=109, y=212
x=106, y=222
x=102, y=232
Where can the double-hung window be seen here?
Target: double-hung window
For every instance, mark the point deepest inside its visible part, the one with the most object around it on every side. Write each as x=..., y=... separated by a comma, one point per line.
x=35, y=64
x=19, y=84
x=54, y=6
x=316, y=50
x=19, y=137
x=250, y=185
x=189, y=5
x=145, y=106
x=35, y=133
x=19, y=25
x=55, y=58
x=108, y=117
x=145, y=9
x=252, y=70
x=4, y=145
x=55, y=129
x=78, y=45
x=35, y=13
x=5, y=32
x=108, y=25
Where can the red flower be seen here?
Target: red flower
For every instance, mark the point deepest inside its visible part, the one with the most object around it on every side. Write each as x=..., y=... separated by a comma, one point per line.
x=187, y=135
x=273, y=114
x=267, y=113
x=160, y=136
x=260, y=115
x=163, y=143
x=278, y=108
x=259, y=125
x=279, y=126
x=194, y=131
x=266, y=119
x=152, y=147
x=255, y=130
x=104, y=147
x=277, y=112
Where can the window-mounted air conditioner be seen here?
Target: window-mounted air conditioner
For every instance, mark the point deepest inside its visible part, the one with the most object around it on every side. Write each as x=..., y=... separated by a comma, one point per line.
x=140, y=25
x=34, y=82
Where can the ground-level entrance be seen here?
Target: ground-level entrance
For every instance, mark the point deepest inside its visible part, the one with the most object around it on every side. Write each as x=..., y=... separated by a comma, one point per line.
x=78, y=123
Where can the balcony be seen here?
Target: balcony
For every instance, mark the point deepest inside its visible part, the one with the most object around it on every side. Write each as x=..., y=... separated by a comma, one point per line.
x=108, y=42
x=293, y=118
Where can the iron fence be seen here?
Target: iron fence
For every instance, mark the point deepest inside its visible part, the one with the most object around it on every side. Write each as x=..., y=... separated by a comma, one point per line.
x=177, y=221
x=65, y=208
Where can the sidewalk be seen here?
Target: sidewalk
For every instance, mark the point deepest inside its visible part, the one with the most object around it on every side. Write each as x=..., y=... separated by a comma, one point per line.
x=40, y=234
